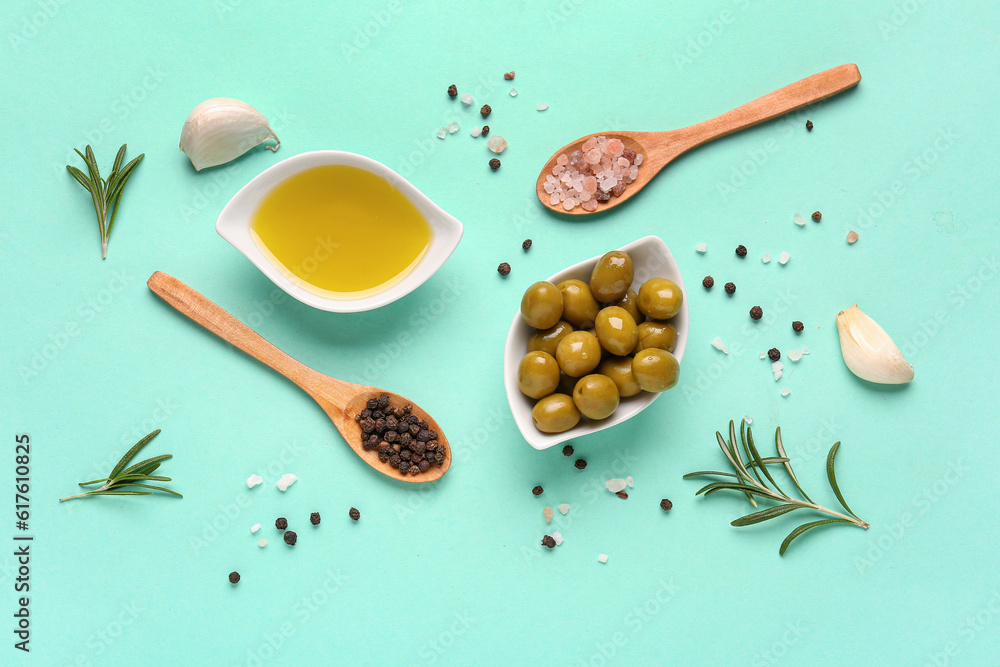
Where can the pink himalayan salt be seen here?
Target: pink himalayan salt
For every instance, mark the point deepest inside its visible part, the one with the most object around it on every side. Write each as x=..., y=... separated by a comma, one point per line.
x=589, y=144
x=562, y=160
x=614, y=145
x=590, y=183
x=569, y=203
x=585, y=183
x=590, y=205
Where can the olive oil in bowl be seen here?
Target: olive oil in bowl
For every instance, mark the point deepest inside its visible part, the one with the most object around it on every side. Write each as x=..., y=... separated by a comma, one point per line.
x=340, y=231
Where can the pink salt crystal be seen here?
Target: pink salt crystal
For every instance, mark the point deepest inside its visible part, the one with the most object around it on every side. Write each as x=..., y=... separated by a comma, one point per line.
x=589, y=205
x=619, y=189
x=569, y=203
x=584, y=196
x=634, y=173
x=554, y=199
x=562, y=160
x=558, y=169
x=577, y=161
x=852, y=236
x=593, y=156
x=623, y=163
x=590, y=183
x=589, y=144
x=614, y=145
x=638, y=159
x=549, y=187
x=629, y=155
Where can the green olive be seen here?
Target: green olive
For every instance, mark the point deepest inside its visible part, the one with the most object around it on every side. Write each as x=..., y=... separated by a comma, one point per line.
x=537, y=374
x=578, y=353
x=547, y=339
x=654, y=333
x=596, y=396
x=616, y=330
x=555, y=413
x=630, y=302
x=660, y=299
x=619, y=369
x=612, y=276
x=542, y=305
x=579, y=305
x=655, y=369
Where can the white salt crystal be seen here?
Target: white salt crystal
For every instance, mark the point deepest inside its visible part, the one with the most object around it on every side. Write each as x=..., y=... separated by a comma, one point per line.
x=766, y=257
x=549, y=187
x=798, y=219
x=569, y=203
x=254, y=480
x=748, y=419
x=254, y=528
x=762, y=355
x=442, y=133
x=564, y=508
x=548, y=514
x=794, y=355
x=785, y=392
x=558, y=169
x=638, y=159
x=630, y=481
x=557, y=537
x=554, y=199
x=286, y=481
x=513, y=92
x=496, y=143
x=783, y=258
x=476, y=131
x=633, y=173
x=262, y=543
x=452, y=127
x=719, y=345
x=466, y=99
x=562, y=160
x=776, y=368
x=615, y=485
x=777, y=375
x=805, y=350
x=603, y=558
x=701, y=247
x=543, y=106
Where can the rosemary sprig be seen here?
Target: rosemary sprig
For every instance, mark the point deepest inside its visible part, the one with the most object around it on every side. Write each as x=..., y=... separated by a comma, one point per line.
x=107, y=195
x=754, y=479
x=122, y=478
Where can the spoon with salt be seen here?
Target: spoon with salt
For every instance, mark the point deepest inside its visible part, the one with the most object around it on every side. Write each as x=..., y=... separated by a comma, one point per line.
x=660, y=148
x=340, y=400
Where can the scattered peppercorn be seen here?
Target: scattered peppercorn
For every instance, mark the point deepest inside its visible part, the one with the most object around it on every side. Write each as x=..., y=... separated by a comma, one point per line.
x=708, y=281
x=402, y=440
x=817, y=216
x=485, y=111
x=281, y=523
x=354, y=514
x=568, y=450
x=730, y=288
x=486, y=130
x=666, y=505
x=797, y=326
x=809, y=125
x=503, y=269
x=234, y=577
x=741, y=251
x=580, y=464
x=452, y=90
x=314, y=518
x=509, y=75
x=622, y=495
x=494, y=164
x=774, y=354
x=290, y=538
x=548, y=541
x=537, y=490
x=526, y=244
x=756, y=312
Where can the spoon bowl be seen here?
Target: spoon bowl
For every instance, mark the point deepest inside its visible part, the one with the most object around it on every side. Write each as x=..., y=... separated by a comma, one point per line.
x=340, y=400
x=661, y=148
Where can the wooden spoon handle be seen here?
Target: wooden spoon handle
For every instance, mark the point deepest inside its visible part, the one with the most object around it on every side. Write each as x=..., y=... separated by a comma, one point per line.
x=209, y=315
x=791, y=97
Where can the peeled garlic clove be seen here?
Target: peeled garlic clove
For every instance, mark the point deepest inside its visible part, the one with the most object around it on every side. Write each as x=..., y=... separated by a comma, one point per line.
x=222, y=129
x=868, y=351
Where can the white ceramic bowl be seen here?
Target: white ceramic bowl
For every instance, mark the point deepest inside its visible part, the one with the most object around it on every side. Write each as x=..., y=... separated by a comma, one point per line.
x=651, y=259
x=235, y=220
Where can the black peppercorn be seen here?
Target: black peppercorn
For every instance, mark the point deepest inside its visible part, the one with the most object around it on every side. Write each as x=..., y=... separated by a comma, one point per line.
x=756, y=312
x=423, y=465
x=485, y=111
x=622, y=495
x=372, y=403
x=568, y=450
x=452, y=90
x=548, y=541
x=774, y=354
x=354, y=514
x=383, y=401
x=817, y=216
x=809, y=125
x=414, y=469
x=666, y=505
x=741, y=251
x=580, y=464
x=797, y=326
x=234, y=577
x=503, y=269
x=730, y=288
x=314, y=518
x=281, y=523
x=708, y=281
x=290, y=538
x=494, y=164
x=486, y=130
x=526, y=244
x=537, y=490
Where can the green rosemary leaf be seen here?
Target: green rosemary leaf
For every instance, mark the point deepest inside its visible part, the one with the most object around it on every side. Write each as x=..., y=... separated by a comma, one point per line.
x=700, y=472
x=788, y=466
x=760, y=462
x=769, y=460
x=726, y=486
x=79, y=175
x=120, y=188
x=148, y=486
x=734, y=456
x=113, y=492
x=833, y=477
x=131, y=453
x=746, y=449
x=118, y=163
x=140, y=467
x=94, y=482
x=765, y=514
x=106, y=194
x=803, y=528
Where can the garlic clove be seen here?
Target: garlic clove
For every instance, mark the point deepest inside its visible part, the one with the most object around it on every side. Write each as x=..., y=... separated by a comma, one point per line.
x=868, y=351
x=222, y=129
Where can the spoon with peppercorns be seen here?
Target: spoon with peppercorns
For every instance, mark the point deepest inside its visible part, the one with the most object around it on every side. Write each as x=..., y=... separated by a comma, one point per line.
x=389, y=432
x=601, y=170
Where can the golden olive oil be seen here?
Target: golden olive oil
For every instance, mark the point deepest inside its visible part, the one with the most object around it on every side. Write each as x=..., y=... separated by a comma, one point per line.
x=341, y=231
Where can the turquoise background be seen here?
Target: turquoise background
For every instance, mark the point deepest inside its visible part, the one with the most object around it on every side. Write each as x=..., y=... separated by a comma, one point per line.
x=453, y=573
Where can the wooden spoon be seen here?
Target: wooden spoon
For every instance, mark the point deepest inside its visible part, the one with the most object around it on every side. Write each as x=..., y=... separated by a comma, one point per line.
x=340, y=400
x=661, y=148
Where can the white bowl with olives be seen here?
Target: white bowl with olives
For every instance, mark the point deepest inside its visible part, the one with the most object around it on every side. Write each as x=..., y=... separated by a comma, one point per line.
x=596, y=343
